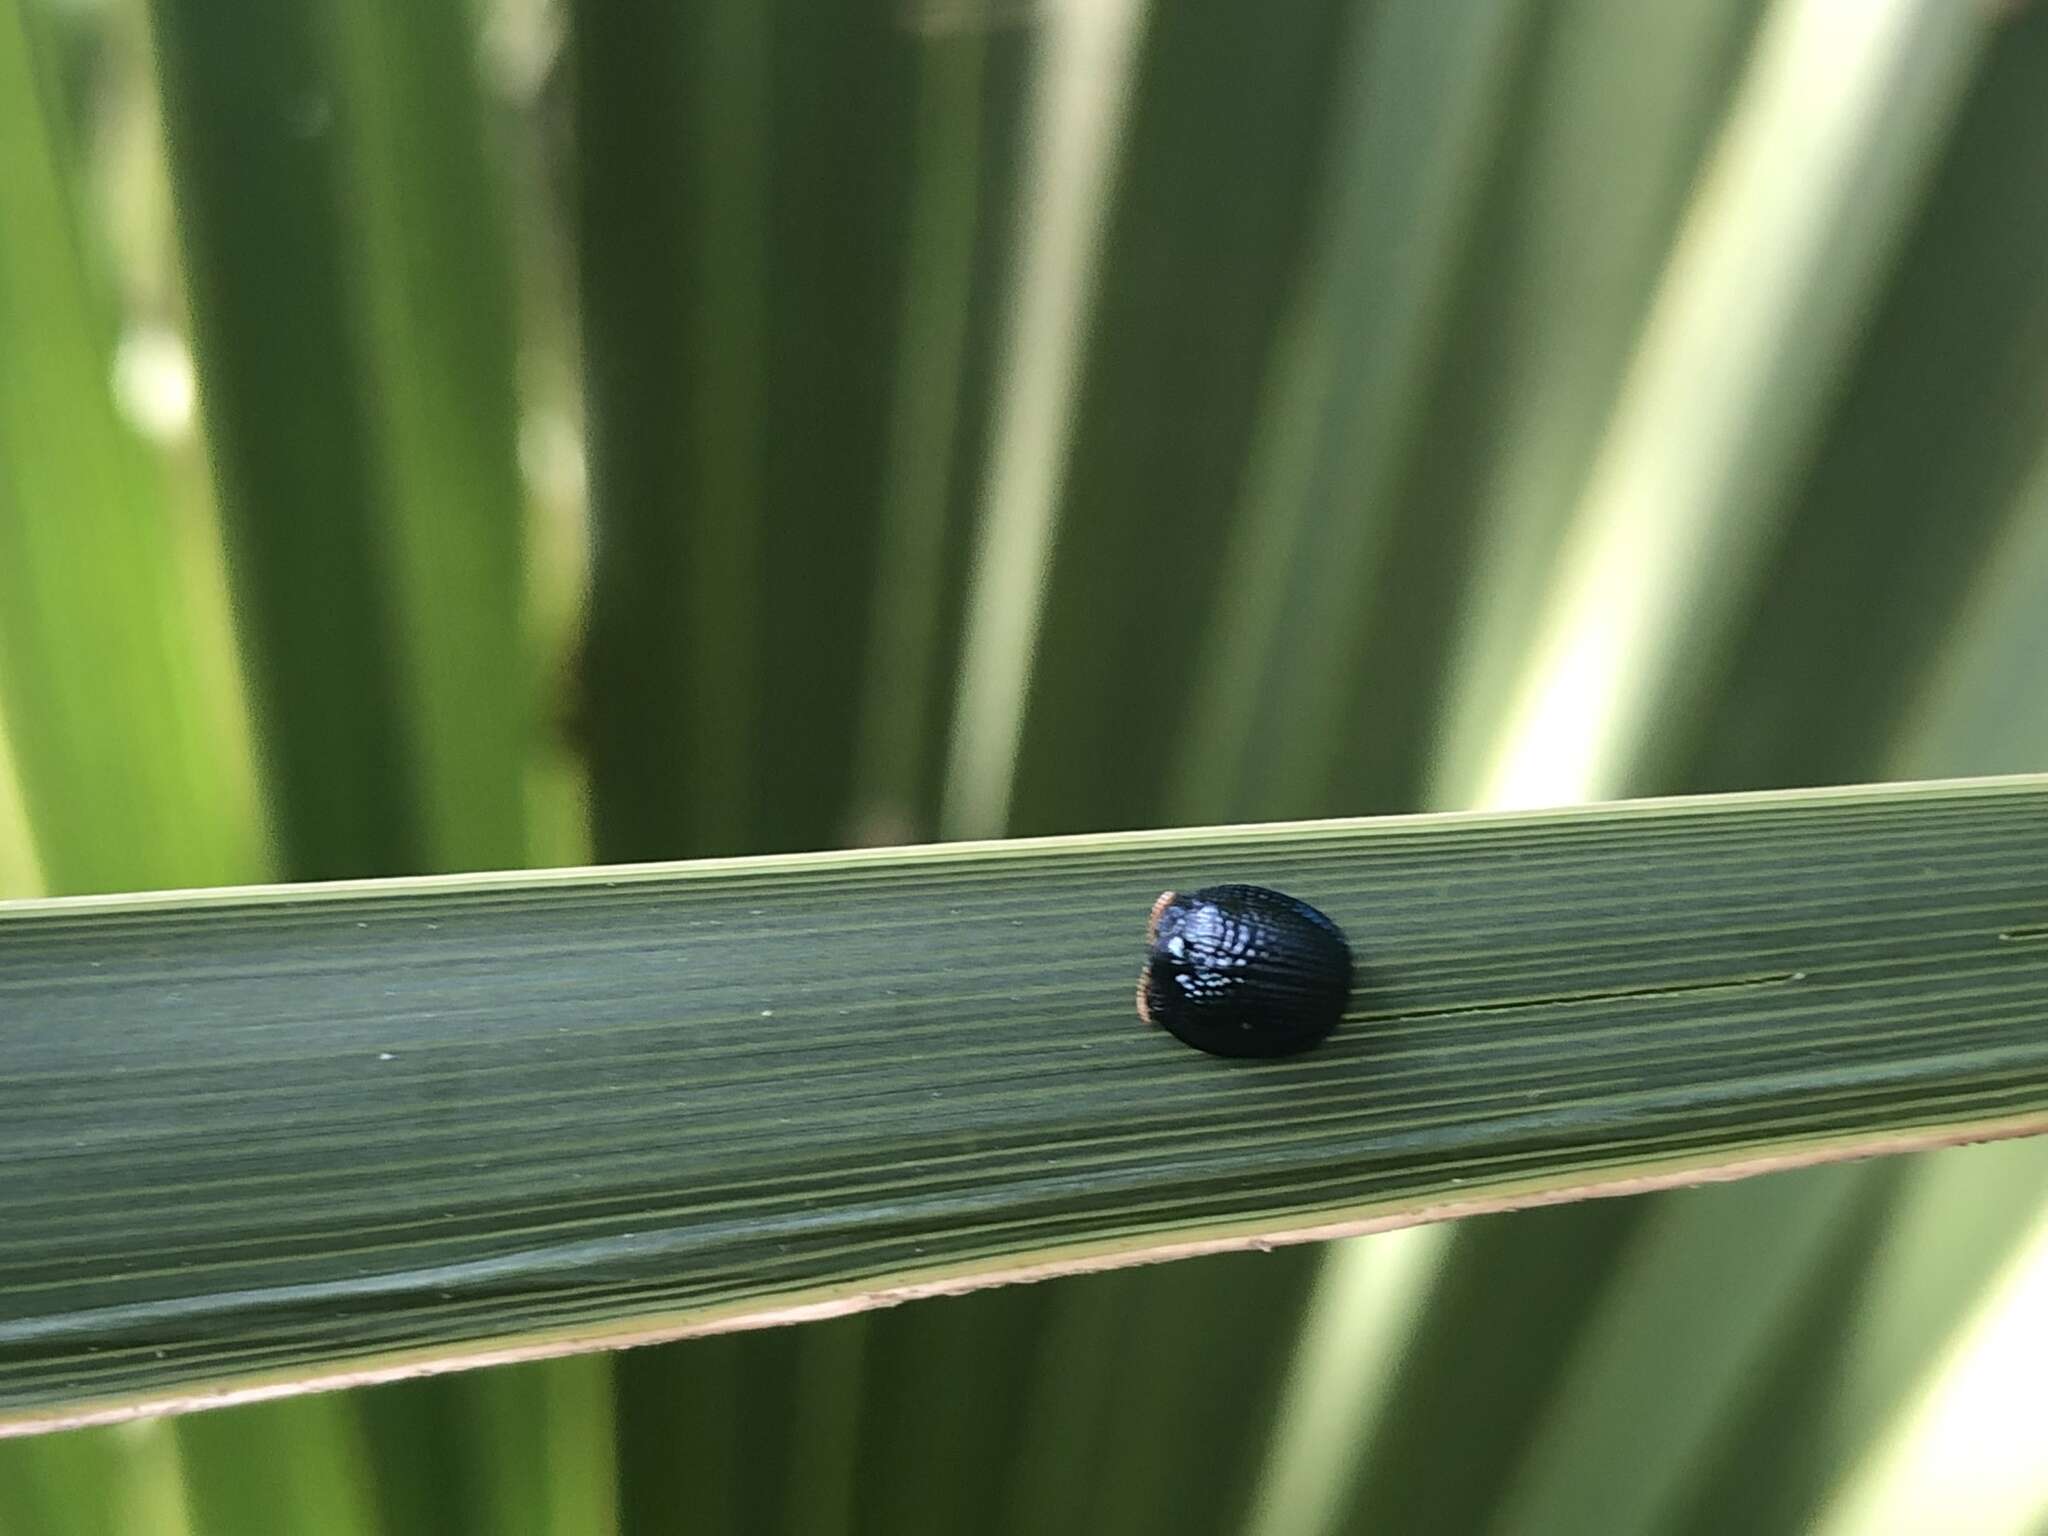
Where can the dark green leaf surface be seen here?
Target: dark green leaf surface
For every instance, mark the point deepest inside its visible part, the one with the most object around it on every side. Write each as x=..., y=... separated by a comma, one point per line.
x=250, y=110
x=1241, y=92
x=738, y=213
x=431, y=277
x=256, y=1136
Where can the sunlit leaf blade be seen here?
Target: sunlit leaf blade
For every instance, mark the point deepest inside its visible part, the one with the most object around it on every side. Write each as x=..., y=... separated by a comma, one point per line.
x=544, y=1435
x=64, y=1485
x=1073, y=144
x=127, y=766
x=1771, y=273
x=1964, y=1451
x=1606, y=123
x=1627, y=1465
x=1868, y=1340
x=1831, y=608
x=1867, y=1337
x=1345, y=1376
x=304, y=1464
x=21, y=871
x=1948, y=411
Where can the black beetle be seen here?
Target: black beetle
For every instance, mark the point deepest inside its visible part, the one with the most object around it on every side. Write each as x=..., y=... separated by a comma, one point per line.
x=1239, y=970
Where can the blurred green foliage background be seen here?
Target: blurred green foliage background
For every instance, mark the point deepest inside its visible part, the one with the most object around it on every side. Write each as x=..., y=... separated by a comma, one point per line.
x=454, y=434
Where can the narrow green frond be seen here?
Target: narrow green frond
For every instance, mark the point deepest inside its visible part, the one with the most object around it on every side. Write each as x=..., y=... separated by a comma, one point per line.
x=378, y=1126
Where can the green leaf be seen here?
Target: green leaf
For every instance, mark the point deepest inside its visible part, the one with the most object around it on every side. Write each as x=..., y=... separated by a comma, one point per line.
x=1611, y=116
x=522, y=1451
x=352, y=310
x=1964, y=1450
x=544, y=1435
x=1355, y=1381
x=917, y=502
x=1979, y=705
x=1948, y=409
x=350, y=304
x=1870, y=1335
x=1784, y=245
x=1059, y=1447
x=735, y=223
x=1242, y=93
x=684, y=1446
x=1343, y=409
x=1074, y=136
x=1195, y=1371
x=299, y=1466
x=930, y=1454
x=822, y=1428
x=118, y=1481
x=1703, y=1294
x=132, y=767
x=1835, y=614
x=1511, y=1289
x=430, y=276
x=250, y=104
x=378, y=1124
x=21, y=871
x=1450, y=1454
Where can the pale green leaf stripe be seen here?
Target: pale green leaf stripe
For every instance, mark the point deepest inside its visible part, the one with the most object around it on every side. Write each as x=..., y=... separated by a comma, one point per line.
x=264, y=1136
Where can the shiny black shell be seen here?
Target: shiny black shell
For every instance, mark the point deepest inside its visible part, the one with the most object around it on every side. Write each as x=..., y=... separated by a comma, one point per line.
x=1239, y=970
